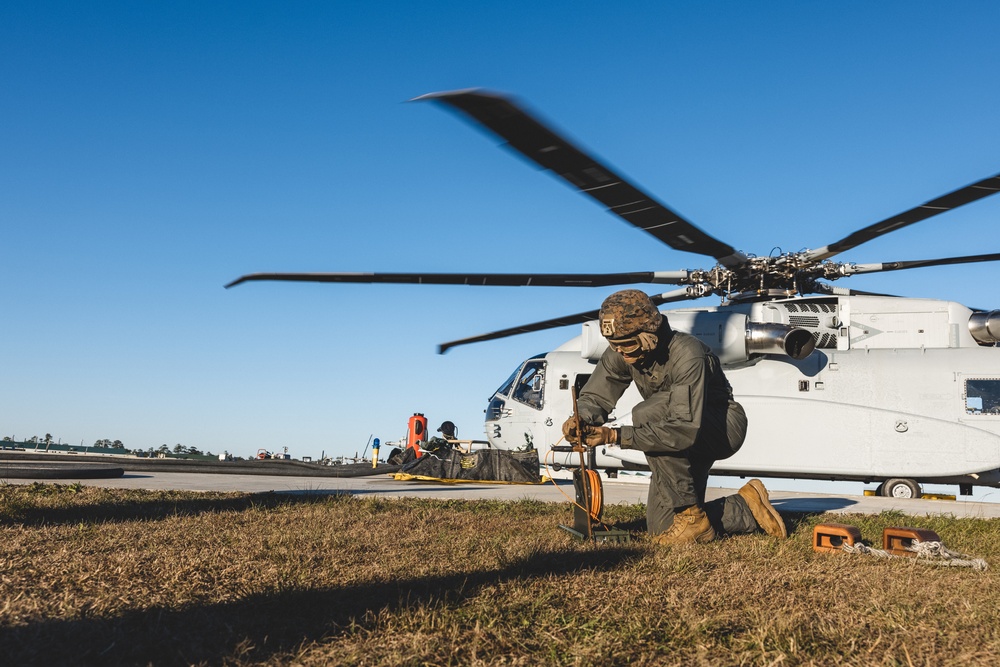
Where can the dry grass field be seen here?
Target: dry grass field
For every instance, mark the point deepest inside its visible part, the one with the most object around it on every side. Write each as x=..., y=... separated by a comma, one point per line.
x=112, y=577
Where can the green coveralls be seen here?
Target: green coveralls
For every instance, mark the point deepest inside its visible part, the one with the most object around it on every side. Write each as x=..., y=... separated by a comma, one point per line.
x=686, y=422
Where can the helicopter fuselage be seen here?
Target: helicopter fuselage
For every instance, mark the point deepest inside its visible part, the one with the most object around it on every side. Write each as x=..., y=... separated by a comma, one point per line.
x=896, y=388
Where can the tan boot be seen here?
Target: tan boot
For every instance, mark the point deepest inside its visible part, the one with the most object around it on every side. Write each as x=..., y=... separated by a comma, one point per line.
x=689, y=526
x=763, y=512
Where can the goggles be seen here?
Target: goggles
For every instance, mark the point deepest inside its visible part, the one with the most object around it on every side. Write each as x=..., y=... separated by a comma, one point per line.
x=628, y=346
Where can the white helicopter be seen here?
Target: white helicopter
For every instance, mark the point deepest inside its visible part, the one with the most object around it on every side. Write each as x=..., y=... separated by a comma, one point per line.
x=907, y=390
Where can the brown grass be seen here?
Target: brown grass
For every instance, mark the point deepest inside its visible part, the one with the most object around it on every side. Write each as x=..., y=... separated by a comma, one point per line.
x=93, y=576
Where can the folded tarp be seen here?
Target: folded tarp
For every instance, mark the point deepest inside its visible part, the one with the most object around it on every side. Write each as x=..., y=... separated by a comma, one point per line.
x=486, y=465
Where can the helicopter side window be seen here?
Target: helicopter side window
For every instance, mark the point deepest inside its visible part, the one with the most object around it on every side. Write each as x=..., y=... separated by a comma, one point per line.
x=982, y=397
x=528, y=388
x=580, y=381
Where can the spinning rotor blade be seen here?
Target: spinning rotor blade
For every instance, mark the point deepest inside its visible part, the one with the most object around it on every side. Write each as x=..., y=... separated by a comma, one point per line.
x=501, y=279
x=960, y=197
x=919, y=263
x=579, y=318
x=540, y=144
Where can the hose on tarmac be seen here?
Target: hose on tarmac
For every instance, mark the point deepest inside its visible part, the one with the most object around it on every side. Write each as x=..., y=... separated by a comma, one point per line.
x=56, y=471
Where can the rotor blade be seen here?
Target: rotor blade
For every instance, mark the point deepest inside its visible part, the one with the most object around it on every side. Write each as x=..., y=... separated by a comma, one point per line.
x=960, y=197
x=541, y=145
x=852, y=269
x=579, y=318
x=500, y=279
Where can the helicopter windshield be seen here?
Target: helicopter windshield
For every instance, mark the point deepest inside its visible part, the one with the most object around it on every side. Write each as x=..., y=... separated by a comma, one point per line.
x=508, y=383
x=528, y=388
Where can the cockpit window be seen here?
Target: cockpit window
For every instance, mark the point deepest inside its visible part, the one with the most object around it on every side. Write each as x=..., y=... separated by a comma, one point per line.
x=505, y=387
x=528, y=388
x=982, y=397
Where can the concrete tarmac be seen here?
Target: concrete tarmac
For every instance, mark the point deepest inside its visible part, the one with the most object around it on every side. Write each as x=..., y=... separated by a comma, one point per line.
x=626, y=489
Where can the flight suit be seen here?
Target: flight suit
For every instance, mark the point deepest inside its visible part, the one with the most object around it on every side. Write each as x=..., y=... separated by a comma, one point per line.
x=686, y=422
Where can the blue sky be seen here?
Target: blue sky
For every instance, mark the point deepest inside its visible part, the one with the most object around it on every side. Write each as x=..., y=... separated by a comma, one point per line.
x=152, y=152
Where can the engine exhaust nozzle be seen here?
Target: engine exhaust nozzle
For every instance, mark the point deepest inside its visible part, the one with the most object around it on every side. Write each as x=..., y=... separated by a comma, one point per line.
x=779, y=339
x=985, y=327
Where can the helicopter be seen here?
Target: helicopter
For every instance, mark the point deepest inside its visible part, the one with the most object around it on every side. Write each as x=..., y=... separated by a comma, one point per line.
x=837, y=383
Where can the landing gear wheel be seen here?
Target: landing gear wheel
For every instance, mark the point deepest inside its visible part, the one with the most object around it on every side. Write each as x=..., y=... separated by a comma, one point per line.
x=900, y=488
x=612, y=473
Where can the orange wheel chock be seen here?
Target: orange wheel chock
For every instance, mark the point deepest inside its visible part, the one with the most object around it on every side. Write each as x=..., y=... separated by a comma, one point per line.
x=830, y=537
x=897, y=541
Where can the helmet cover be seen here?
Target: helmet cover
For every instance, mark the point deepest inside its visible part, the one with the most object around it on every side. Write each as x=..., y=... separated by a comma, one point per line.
x=627, y=313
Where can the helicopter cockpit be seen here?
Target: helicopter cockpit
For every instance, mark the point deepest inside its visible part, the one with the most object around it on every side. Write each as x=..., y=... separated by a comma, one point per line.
x=525, y=385
x=519, y=399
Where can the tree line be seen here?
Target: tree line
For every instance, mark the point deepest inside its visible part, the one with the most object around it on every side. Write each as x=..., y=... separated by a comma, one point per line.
x=106, y=443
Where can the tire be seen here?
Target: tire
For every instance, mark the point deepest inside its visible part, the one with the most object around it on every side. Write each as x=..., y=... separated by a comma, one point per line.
x=900, y=488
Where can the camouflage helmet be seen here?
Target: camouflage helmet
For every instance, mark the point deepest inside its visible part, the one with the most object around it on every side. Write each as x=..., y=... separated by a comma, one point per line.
x=627, y=313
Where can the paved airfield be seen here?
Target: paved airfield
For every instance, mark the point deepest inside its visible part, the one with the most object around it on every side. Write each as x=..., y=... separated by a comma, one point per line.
x=627, y=489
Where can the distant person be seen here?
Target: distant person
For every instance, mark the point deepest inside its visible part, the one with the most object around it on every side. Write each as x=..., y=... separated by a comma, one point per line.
x=441, y=445
x=686, y=422
x=447, y=430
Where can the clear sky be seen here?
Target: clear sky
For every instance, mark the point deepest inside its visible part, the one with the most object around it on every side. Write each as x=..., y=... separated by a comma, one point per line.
x=152, y=152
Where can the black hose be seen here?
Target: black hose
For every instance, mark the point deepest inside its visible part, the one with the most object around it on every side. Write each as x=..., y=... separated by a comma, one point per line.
x=56, y=471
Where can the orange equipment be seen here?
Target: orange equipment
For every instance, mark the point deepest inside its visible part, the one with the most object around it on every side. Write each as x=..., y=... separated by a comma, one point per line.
x=416, y=433
x=831, y=537
x=899, y=541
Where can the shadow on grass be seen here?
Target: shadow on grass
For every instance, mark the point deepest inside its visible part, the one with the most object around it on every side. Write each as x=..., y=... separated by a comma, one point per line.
x=153, y=508
x=637, y=525
x=796, y=511
x=817, y=505
x=259, y=626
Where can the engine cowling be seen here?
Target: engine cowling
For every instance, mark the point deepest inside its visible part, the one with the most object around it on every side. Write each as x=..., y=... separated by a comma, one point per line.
x=985, y=327
x=779, y=339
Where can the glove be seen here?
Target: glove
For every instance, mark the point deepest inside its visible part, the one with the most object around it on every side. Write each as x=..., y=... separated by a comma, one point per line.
x=569, y=431
x=595, y=436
